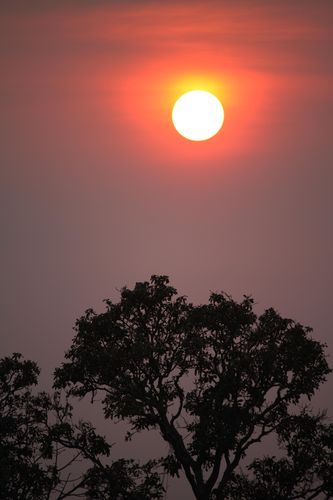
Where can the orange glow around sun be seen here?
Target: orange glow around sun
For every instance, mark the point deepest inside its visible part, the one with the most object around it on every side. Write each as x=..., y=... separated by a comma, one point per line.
x=147, y=94
x=161, y=52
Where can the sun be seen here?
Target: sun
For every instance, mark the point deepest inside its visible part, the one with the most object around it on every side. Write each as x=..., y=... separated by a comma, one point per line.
x=198, y=115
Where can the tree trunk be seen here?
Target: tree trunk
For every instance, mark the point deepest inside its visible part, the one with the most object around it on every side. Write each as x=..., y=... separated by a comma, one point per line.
x=200, y=492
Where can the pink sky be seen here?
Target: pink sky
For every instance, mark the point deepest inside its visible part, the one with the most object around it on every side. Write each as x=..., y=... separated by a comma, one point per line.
x=99, y=191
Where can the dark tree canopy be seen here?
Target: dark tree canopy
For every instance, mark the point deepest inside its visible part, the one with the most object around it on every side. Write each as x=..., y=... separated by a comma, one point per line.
x=214, y=379
x=41, y=444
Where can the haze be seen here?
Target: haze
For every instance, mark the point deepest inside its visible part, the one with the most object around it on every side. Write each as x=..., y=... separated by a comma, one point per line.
x=99, y=191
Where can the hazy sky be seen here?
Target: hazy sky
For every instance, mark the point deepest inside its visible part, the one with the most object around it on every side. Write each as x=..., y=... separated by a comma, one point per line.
x=98, y=190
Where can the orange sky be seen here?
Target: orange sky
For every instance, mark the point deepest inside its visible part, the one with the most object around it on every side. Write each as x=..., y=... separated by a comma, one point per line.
x=124, y=67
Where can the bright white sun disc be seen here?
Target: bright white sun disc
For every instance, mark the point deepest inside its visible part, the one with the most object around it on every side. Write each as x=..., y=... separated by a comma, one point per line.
x=197, y=115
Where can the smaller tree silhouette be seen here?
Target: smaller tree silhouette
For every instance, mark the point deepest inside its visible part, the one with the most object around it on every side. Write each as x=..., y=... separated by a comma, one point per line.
x=214, y=379
x=45, y=454
x=304, y=472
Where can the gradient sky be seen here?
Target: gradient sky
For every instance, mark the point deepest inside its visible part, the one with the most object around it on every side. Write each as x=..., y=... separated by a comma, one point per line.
x=99, y=191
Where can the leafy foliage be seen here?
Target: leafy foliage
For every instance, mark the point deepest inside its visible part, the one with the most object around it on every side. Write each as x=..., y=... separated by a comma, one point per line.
x=214, y=379
x=45, y=454
x=124, y=480
x=305, y=472
x=21, y=416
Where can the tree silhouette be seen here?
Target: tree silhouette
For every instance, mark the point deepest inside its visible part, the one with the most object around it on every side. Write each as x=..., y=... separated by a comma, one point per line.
x=214, y=379
x=40, y=446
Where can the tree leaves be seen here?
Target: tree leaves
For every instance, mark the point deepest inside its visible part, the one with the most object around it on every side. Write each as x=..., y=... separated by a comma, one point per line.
x=45, y=454
x=214, y=378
